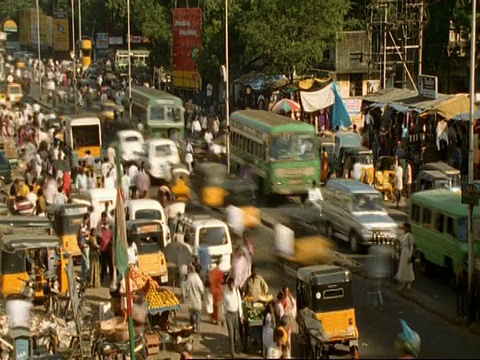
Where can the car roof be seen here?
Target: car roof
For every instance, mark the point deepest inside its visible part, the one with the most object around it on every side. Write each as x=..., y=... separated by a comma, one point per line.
x=124, y=133
x=435, y=173
x=152, y=204
x=201, y=220
x=159, y=141
x=352, y=186
x=323, y=274
x=441, y=166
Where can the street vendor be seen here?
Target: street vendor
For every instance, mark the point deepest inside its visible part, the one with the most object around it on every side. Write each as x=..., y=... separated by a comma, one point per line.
x=256, y=286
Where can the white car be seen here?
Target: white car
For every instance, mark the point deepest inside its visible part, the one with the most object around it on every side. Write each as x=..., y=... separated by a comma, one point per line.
x=160, y=155
x=131, y=144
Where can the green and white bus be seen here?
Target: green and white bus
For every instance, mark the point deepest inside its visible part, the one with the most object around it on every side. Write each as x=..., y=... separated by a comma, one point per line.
x=440, y=226
x=161, y=113
x=281, y=153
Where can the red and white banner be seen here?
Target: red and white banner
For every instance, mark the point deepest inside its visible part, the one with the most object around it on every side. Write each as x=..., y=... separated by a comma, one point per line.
x=187, y=37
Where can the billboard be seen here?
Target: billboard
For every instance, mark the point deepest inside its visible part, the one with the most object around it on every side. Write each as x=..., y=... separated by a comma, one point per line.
x=61, y=40
x=102, y=41
x=187, y=38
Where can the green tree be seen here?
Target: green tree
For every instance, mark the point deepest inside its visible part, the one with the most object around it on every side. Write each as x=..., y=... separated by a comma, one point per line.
x=10, y=8
x=290, y=38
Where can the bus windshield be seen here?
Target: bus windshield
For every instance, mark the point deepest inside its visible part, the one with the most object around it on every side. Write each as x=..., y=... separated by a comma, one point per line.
x=293, y=147
x=86, y=135
x=165, y=113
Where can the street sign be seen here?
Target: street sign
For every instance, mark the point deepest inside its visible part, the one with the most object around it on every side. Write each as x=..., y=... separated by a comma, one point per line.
x=471, y=193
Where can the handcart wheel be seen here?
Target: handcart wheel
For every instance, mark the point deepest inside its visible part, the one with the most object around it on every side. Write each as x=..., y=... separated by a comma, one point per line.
x=354, y=352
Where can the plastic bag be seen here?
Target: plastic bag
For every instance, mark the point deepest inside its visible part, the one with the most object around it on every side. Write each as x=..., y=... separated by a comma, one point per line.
x=209, y=303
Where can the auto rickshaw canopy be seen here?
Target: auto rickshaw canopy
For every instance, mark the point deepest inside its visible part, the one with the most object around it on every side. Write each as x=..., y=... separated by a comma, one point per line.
x=324, y=274
x=19, y=239
x=67, y=209
x=20, y=221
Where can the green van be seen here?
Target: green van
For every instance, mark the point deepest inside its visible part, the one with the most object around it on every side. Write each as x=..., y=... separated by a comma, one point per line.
x=440, y=226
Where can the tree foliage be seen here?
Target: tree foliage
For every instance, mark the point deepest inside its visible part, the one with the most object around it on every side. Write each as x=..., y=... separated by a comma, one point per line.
x=10, y=8
x=290, y=37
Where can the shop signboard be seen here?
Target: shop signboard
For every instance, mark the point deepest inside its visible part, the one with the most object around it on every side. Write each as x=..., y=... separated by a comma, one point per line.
x=115, y=40
x=428, y=86
x=61, y=40
x=102, y=41
x=187, y=40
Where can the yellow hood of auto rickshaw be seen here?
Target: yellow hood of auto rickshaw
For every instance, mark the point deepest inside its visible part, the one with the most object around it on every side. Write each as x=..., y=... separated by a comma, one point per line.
x=339, y=325
x=312, y=250
x=251, y=216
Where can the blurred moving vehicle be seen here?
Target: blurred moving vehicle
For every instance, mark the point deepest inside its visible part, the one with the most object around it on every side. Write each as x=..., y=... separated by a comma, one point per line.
x=131, y=144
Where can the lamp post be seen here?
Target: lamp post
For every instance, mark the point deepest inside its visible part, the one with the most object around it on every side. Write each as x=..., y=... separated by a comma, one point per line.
x=80, y=20
x=471, y=246
x=73, y=56
x=39, y=53
x=227, y=89
x=129, y=62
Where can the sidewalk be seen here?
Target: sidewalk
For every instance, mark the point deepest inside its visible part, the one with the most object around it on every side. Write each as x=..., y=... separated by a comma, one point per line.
x=212, y=341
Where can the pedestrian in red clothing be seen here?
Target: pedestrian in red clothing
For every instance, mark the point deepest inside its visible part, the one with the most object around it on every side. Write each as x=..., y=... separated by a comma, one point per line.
x=216, y=277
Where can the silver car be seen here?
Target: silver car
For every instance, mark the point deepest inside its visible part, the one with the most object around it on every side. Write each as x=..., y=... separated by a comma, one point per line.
x=353, y=211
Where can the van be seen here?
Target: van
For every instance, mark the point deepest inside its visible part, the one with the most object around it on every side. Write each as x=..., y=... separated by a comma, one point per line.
x=206, y=231
x=439, y=223
x=145, y=209
x=354, y=212
x=160, y=155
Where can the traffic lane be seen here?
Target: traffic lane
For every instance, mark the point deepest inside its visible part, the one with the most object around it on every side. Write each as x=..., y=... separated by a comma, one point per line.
x=378, y=329
x=436, y=285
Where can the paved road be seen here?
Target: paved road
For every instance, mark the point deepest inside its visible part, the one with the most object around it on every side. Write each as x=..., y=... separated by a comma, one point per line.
x=378, y=329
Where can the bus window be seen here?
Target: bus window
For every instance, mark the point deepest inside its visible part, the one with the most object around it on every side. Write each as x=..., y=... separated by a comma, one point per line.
x=439, y=220
x=415, y=213
x=157, y=113
x=451, y=227
x=427, y=217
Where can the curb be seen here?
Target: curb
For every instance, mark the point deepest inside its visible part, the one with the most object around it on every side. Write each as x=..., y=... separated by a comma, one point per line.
x=420, y=299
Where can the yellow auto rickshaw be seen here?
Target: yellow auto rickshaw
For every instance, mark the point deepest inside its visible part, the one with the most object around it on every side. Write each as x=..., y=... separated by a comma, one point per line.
x=211, y=178
x=326, y=316
x=241, y=193
x=29, y=254
x=110, y=111
x=384, y=177
x=180, y=182
x=67, y=220
x=150, y=237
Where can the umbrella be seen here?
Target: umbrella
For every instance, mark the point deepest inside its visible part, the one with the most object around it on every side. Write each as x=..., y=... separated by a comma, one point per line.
x=286, y=105
x=178, y=253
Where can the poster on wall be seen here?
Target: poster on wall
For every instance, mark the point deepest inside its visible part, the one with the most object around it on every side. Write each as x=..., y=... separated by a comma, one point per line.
x=102, y=41
x=187, y=40
x=61, y=40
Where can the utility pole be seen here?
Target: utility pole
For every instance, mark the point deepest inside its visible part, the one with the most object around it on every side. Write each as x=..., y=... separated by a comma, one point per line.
x=74, y=55
x=471, y=246
x=129, y=62
x=227, y=89
x=420, y=42
x=39, y=52
x=80, y=20
x=385, y=47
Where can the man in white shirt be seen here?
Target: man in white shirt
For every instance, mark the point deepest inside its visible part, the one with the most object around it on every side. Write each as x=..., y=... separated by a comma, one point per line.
x=32, y=197
x=357, y=170
x=398, y=181
x=133, y=175
x=315, y=194
x=232, y=312
x=194, y=291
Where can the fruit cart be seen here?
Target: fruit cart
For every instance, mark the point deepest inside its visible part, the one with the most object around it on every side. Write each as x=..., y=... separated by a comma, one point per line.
x=253, y=322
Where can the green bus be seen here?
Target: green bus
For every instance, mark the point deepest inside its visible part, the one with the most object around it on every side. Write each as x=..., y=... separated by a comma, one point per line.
x=440, y=227
x=162, y=114
x=281, y=153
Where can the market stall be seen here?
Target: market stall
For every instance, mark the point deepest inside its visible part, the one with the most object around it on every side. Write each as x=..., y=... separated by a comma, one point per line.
x=253, y=319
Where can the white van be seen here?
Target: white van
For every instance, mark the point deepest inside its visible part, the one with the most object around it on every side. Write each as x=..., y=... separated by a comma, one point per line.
x=100, y=200
x=160, y=155
x=131, y=144
x=207, y=231
x=145, y=209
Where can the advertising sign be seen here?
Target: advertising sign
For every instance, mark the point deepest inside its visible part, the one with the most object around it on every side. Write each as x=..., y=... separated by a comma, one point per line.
x=102, y=41
x=428, y=86
x=115, y=40
x=187, y=40
x=60, y=34
x=10, y=26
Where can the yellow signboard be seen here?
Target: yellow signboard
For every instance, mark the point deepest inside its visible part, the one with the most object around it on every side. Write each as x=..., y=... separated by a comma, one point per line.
x=60, y=34
x=187, y=79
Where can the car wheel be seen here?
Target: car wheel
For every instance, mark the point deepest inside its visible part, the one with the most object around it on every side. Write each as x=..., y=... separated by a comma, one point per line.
x=354, y=240
x=329, y=230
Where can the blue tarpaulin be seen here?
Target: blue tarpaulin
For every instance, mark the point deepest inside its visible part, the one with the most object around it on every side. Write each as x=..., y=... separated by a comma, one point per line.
x=340, y=116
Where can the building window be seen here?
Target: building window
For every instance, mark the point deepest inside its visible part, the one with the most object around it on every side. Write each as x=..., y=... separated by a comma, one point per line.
x=356, y=85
